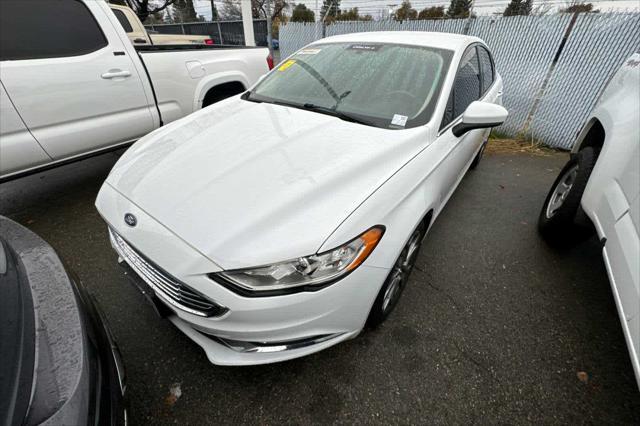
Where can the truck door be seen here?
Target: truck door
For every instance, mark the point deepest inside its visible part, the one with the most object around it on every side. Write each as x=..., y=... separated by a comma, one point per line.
x=69, y=76
x=18, y=148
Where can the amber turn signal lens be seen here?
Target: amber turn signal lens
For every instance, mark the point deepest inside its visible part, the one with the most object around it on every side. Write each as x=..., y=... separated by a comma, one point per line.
x=370, y=240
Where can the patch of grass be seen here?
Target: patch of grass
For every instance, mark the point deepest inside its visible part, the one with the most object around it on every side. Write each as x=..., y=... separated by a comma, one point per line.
x=499, y=144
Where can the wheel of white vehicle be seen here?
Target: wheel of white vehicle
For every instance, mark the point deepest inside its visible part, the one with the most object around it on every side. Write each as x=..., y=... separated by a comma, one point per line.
x=397, y=279
x=479, y=155
x=557, y=223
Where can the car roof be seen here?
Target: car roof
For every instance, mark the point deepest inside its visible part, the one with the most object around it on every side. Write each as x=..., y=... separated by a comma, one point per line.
x=419, y=38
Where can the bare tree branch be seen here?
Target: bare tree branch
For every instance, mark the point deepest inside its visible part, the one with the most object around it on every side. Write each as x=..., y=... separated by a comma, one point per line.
x=144, y=8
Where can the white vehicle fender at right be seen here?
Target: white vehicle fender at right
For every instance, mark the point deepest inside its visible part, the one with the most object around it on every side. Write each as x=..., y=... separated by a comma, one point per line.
x=213, y=80
x=602, y=117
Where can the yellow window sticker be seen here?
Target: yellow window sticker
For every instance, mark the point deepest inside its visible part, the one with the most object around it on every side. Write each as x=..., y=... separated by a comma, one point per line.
x=286, y=65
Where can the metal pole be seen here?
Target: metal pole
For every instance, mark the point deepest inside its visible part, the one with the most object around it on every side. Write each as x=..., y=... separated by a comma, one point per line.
x=220, y=31
x=269, y=43
x=247, y=23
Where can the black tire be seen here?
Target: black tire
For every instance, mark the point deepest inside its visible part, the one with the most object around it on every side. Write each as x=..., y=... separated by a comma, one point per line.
x=478, y=157
x=557, y=221
x=401, y=270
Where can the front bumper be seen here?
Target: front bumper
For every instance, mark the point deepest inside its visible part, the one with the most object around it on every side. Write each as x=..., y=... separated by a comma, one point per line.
x=250, y=330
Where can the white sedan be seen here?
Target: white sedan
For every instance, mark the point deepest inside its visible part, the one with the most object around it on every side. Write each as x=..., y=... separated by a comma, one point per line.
x=280, y=222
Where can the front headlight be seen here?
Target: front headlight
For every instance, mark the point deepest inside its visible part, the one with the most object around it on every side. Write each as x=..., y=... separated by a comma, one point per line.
x=312, y=271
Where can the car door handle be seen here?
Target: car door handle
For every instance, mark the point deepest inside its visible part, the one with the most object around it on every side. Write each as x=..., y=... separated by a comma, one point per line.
x=139, y=40
x=116, y=74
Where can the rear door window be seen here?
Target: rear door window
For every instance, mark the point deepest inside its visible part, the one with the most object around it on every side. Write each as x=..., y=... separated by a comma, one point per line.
x=486, y=65
x=37, y=29
x=123, y=20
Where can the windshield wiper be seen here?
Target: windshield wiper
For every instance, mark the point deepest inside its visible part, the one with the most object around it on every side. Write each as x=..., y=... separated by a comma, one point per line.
x=339, y=114
x=312, y=107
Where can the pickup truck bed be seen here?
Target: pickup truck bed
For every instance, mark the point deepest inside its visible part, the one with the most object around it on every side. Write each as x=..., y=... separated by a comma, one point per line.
x=173, y=47
x=182, y=75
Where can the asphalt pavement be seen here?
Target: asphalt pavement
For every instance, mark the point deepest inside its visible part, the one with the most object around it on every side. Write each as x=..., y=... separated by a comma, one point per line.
x=494, y=327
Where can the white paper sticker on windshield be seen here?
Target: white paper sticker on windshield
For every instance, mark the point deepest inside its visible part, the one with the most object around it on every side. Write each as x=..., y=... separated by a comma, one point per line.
x=399, y=120
x=309, y=51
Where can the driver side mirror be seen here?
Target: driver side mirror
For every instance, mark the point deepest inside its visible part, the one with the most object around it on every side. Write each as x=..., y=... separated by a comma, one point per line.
x=480, y=115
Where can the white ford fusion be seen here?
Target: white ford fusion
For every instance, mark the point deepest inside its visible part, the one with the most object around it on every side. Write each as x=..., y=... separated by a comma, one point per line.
x=278, y=223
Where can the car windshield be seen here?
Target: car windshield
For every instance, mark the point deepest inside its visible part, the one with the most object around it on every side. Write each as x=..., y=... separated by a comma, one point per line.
x=391, y=86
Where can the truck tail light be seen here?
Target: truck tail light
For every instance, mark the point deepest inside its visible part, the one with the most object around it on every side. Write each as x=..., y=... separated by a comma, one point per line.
x=208, y=41
x=270, y=61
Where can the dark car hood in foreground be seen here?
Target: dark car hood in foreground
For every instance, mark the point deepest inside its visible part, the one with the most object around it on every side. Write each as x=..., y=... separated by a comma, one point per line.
x=55, y=360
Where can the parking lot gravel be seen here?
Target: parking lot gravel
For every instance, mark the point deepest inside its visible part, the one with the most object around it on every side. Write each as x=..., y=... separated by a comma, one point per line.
x=494, y=327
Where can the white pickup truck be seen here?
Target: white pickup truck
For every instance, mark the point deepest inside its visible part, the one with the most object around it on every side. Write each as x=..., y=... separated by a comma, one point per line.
x=72, y=85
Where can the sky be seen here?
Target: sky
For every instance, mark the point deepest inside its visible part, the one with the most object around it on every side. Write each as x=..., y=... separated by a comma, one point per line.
x=377, y=8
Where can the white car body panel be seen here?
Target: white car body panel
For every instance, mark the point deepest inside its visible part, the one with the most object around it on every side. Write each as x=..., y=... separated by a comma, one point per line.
x=72, y=107
x=18, y=144
x=612, y=196
x=257, y=167
x=181, y=79
x=121, y=110
x=242, y=184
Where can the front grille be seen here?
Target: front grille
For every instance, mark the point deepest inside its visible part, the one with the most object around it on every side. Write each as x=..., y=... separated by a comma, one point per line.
x=169, y=289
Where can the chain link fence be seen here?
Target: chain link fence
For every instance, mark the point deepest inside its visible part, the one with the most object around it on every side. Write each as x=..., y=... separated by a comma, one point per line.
x=221, y=32
x=554, y=67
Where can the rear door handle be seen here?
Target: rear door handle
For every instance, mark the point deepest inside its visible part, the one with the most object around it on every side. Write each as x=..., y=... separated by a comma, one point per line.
x=116, y=74
x=139, y=40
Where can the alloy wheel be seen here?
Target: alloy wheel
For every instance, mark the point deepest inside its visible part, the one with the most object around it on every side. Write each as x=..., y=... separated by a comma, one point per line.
x=401, y=271
x=561, y=191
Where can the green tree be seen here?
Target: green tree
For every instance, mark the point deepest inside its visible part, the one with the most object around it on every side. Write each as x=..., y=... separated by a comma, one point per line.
x=302, y=13
x=459, y=9
x=353, y=15
x=433, y=12
x=214, y=13
x=518, y=7
x=405, y=12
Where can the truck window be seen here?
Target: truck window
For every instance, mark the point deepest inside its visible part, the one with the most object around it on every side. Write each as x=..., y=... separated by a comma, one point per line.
x=123, y=20
x=47, y=29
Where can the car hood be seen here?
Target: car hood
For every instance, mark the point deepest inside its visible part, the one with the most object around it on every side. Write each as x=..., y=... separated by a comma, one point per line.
x=248, y=184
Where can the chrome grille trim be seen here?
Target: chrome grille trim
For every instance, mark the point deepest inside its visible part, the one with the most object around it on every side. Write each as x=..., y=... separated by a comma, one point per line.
x=270, y=347
x=169, y=289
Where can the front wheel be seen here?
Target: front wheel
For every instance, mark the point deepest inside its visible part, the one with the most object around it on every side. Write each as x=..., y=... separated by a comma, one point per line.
x=396, y=281
x=556, y=222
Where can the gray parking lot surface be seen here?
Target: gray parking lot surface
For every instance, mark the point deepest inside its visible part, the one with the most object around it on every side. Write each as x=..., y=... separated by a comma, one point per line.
x=493, y=327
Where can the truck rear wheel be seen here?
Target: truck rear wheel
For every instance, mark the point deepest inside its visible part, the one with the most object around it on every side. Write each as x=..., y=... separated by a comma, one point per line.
x=556, y=222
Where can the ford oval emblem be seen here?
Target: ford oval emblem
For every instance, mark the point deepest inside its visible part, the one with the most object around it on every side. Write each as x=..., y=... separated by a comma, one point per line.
x=130, y=219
